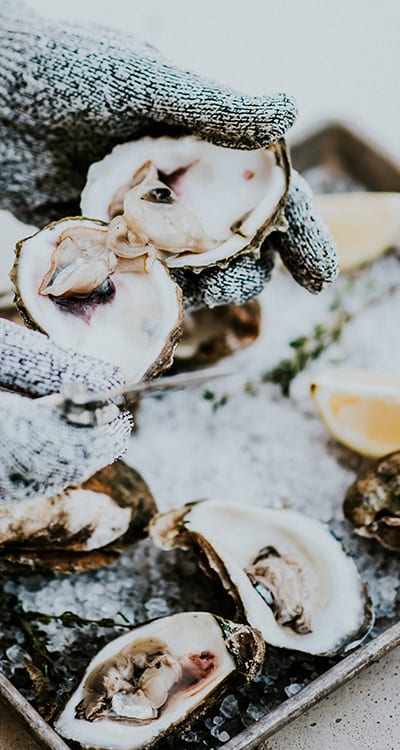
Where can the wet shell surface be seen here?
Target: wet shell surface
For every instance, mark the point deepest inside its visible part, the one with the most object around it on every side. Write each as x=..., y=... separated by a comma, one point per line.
x=156, y=677
x=287, y=574
x=84, y=527
x=196, y=204
x=70, y=284
x=372, y=503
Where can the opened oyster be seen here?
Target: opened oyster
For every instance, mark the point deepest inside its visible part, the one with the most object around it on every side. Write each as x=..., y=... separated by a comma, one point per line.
x=88, y=288
x=149, y=681
x=85, y=526
x=372, y=503
x=191, y=203
x=287, y=574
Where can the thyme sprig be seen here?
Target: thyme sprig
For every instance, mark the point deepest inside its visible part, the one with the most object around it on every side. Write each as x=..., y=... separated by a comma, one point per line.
x=70, y=619
x=215, y=401
x=305, y=350
x=308, y=348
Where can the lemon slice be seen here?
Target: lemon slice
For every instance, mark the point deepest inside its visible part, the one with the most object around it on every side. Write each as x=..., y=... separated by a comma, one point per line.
x=361, y=408
x=363, y=225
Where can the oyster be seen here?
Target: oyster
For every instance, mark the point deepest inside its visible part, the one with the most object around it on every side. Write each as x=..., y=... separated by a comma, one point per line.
x=287, y=574
x=72, y=283
x=194, y=203
x=211, y=334
x=86, y=526
x=372, y=503
x=149, y=681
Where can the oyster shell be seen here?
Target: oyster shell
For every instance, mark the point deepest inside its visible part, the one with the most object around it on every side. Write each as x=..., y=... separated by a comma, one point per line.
x=71, y=285
x=372, y=502
x=197, y=204
x=211, y=334
x=84, y=527
x=287, y=574
x=152, y=679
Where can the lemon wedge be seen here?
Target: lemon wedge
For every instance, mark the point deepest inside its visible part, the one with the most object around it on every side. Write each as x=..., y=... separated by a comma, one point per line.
x=363, y=225
x=361, y=408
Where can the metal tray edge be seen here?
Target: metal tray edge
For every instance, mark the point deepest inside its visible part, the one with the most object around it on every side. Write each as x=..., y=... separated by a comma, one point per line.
x=336, y=676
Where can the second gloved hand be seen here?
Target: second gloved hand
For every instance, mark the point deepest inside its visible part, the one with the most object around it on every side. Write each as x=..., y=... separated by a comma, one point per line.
x=41, y=452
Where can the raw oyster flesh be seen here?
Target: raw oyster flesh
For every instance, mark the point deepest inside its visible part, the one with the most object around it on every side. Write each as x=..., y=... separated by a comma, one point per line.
x=288, y=575
x=149, y=681
x=190, y=202
x=73, y=283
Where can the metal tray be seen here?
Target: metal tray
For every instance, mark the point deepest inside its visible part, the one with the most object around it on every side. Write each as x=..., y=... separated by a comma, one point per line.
x=335, y=149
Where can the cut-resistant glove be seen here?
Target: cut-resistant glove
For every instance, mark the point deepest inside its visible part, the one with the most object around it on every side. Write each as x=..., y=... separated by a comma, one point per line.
x=69, y=93
x=41, y=452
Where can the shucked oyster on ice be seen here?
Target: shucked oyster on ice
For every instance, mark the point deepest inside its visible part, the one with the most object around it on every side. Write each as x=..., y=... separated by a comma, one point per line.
x=89, y=288
x=193, y=203
x=85, y=526
x=287, y=574
x=151, y=680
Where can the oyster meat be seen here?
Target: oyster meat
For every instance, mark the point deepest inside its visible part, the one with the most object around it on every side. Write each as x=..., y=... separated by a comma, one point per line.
x=75, y=281
x=193, y=203
x=151, y=680
x=80, y=527
x=372, y=503
x=287, y=574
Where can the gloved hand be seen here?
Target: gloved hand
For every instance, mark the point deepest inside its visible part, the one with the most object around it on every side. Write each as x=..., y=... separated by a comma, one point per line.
x=41, y=453
x=68, y=94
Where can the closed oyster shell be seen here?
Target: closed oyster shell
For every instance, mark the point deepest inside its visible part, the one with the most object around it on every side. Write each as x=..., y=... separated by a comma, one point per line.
x=286, y=573
x=372, y=502
x=84, y=527
x=209, y=335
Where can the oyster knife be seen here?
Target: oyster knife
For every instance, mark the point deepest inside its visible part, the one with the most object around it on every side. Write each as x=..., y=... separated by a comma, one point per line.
x=88, y=408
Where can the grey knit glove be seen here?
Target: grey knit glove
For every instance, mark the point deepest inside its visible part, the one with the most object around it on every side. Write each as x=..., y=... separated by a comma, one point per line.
x=40, y=451
x=68, y=94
